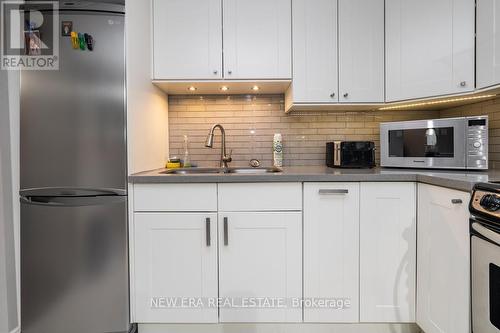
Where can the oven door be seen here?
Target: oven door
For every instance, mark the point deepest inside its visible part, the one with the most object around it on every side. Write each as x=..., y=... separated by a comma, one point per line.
x=439, y=143
x=485, y=249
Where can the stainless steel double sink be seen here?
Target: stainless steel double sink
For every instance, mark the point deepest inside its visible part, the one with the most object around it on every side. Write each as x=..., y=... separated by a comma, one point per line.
x=248, y=171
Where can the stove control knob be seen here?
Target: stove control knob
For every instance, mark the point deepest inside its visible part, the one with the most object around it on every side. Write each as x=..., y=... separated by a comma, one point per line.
x=490, y=202
x=477, y=144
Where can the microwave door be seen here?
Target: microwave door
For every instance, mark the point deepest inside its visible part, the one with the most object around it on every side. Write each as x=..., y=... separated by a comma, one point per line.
x=424, y=144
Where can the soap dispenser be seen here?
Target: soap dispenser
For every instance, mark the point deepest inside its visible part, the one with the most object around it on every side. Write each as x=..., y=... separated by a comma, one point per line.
x=277, y=150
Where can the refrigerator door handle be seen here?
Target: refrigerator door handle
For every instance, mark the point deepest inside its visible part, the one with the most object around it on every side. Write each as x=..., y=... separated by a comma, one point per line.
x=70, y=192
x=72, y=201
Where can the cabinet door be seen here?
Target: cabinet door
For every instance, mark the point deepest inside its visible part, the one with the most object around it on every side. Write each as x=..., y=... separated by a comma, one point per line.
x=315, y=74
x=331, y=250
x=429, y=48
x=443, y=260
x=260, y=257
x=257, y=39
x=388, y=242
x=175, y=258
x=187, y=39
x=488, y=43
x=361, y=51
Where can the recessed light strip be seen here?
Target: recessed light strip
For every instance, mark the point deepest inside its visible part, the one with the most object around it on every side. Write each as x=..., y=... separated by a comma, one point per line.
x=443, y=101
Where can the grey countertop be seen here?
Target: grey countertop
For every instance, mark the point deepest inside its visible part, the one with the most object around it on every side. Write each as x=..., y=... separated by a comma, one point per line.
x=460, y=180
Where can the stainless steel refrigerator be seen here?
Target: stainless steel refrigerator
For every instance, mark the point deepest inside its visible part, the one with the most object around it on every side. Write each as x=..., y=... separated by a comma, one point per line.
x=74, y=252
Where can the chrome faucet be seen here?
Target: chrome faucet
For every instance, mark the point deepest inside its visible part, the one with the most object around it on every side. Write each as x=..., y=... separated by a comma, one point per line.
x=224, y=158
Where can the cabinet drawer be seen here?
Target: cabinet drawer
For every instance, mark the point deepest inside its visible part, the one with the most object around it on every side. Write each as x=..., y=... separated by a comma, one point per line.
x=260, y=196
x=175, y=197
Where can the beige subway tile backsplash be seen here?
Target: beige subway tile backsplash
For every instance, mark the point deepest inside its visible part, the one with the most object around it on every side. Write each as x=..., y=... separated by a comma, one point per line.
x=251, y=121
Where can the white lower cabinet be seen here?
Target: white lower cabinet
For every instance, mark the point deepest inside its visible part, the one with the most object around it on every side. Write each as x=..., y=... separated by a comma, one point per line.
x=443, y=264
x=331, y=251
x=387, y=252
x=260, y=258
x=175, y=256
x=346, y=253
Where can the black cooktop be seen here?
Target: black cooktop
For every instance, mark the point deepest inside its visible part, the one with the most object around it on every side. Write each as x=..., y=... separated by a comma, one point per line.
x=485, y=202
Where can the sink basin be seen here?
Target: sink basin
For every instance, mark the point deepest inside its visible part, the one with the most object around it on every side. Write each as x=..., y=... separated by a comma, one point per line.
x=191, y=171
x=236, y=170
x=253, y=171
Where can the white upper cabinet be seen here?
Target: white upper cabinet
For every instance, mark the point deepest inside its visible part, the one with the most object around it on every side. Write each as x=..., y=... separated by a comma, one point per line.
x=331, y=251
x=338, y=51
x=260, y=256
x=175, y=259
x=488, y=43
x=257, y=39
x=443, y=260
x=429, y=48
x=315, y=76
x=388, y=243
x=187, y=39
x=361, y=51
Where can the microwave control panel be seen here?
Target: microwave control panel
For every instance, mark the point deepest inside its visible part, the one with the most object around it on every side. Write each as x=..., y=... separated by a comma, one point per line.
x=477, y=143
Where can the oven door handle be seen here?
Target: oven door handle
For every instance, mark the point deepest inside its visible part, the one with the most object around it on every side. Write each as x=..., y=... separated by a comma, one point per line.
x=486, y=233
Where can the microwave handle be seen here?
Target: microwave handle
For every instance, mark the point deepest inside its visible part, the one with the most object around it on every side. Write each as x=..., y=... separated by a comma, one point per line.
x=486, y=233
x=336, y=151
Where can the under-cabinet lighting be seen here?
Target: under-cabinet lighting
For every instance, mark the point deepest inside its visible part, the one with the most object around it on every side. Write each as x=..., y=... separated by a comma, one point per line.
x=255, y=88
x=224, y=88
x=442, y=101
x=192, y=88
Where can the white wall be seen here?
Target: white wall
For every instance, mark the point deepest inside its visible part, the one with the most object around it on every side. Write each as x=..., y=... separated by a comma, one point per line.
x=14, y=112
x=9, y=203
x=147, y=106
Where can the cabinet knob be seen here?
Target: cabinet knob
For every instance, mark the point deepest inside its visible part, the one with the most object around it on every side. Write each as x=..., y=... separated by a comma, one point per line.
x=463, y=84
x=345, y=95
x=229, y=72
x=216, y=72
x=332, y=95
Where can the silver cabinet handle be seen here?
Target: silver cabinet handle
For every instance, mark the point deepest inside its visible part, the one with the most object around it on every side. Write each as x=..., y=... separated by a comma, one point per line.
x=332, y=95
x=226, y=238
x=229, y=72
x=345, y=95
x=332, y=191
x=463, y=84
x=215, y=72
x=207, y=225
x=456, y=201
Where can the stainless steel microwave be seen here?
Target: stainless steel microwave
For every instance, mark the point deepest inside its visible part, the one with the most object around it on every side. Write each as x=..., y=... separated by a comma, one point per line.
x=451, y=143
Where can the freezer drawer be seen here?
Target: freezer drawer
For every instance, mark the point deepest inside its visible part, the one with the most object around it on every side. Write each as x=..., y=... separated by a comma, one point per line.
x=74, y=267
